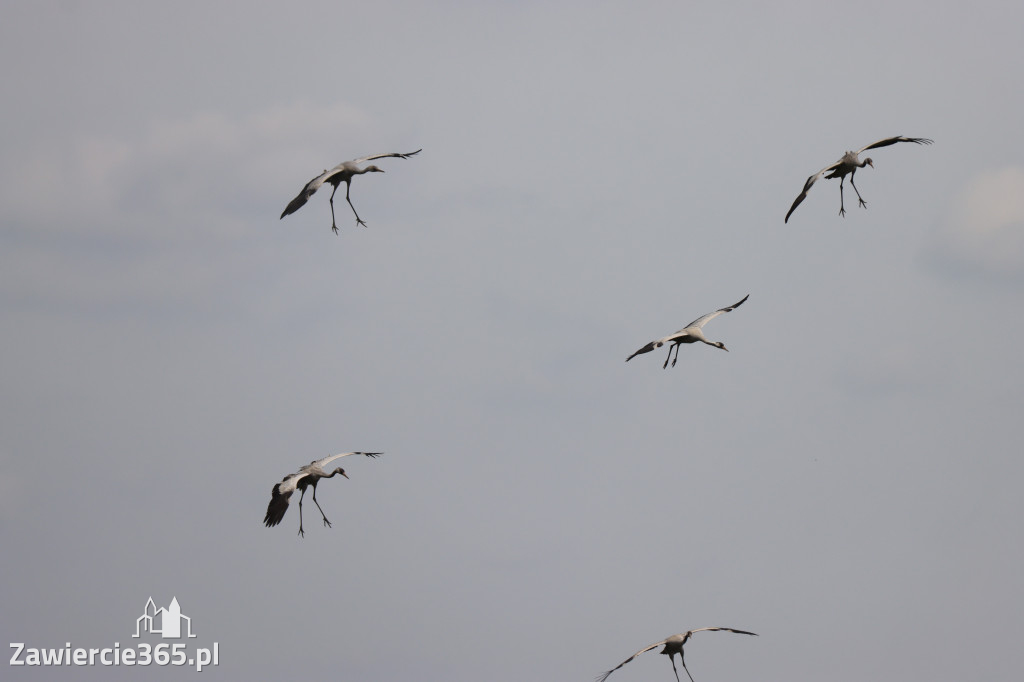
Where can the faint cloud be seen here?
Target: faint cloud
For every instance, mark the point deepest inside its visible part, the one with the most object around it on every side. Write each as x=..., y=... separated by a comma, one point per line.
x=984, y=235
x=159, y=213
x=199, y=169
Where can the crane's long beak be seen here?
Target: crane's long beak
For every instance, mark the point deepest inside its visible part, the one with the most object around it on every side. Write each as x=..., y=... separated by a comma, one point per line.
x=344, y=474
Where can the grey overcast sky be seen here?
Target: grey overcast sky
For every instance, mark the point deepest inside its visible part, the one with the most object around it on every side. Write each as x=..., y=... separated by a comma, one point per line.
x=846, y=481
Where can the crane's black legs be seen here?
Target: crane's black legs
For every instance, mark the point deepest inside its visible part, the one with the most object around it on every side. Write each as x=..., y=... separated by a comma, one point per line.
x=326, y=522
x=302, y=533
x=359, y=221
x=668, y=357
x=672, y=657
x=334, y=225
x=683, y=661
x=842, y=211
x=862, y=202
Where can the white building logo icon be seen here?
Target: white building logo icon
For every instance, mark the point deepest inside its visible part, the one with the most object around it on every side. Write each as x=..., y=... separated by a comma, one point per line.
x=165, y=622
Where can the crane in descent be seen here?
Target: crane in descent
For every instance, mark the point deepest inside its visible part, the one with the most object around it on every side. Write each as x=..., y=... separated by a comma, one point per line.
x=343, y=172
x=848, y=165
x=691, y=333
x=306, y=477
x=673, y=645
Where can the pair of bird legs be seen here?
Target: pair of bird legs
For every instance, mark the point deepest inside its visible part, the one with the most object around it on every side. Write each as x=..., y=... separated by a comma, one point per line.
x=672, y=657
x=663, y=367
x=842, y=210
x=359, y=221
x=327, y=523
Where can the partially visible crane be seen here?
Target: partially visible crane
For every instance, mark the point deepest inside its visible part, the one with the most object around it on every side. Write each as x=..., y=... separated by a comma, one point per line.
x=673, y=646
x=343, y=172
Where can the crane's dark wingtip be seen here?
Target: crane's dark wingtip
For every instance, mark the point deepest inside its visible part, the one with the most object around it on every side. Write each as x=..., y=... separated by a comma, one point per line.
x=272, y=518
x=277, y=507
x=295, y=204
x=736, y=305
x=646, y=349
x=741, y=632
x=792, y=208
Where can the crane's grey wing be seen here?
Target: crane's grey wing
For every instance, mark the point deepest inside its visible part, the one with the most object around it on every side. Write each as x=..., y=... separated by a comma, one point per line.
x=604, y=676
x=397, y=155
x=893, y=140
x=289, y=482
x=311, y=187
x=807, y=188
x=327, y=460
x=704, y=319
